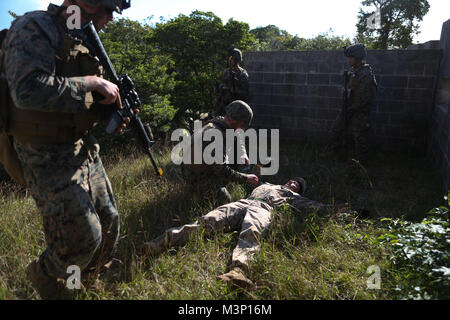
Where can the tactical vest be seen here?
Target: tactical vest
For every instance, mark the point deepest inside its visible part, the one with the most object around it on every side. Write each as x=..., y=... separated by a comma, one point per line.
x=8, y=155
x=355, y=85
x=37, y=127
x=72, y=60
x=203, y=168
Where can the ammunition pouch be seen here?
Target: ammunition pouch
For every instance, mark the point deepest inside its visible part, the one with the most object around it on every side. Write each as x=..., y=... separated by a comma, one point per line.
x=8, y=155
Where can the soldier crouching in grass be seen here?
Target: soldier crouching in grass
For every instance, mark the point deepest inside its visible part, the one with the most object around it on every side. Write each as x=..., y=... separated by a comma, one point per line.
x=212, y=179
x=252, y=216
x=51, y=78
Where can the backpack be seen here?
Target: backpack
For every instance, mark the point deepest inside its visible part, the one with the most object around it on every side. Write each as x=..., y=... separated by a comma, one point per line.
x=8, y=155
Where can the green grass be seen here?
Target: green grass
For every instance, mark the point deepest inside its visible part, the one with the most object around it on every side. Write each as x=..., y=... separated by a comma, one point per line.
x=303, y=256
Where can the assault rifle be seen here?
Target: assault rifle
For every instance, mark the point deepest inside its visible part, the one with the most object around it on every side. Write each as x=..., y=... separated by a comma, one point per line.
x=129, y=96
x=233, y=83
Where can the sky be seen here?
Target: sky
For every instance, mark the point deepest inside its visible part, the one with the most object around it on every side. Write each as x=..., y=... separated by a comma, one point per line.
x=304, y=18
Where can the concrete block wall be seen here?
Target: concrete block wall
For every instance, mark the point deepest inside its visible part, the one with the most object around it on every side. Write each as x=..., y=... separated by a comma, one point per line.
x=440, y=142
x=439, y=146
x=300, y=93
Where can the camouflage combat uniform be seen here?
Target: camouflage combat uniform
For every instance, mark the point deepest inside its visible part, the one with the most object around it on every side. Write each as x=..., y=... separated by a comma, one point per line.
x=362, y=94
x=235, y=86
x=61, y=166
x=212, y=179
x=251, y=216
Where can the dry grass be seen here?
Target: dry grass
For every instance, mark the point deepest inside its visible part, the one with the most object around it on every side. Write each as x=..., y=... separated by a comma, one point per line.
x=303, y=257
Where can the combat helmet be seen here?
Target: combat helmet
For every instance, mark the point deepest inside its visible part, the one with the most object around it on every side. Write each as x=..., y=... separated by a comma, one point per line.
x=240, y=111
x=235, y=54
x=302, y=184
x=357, y=51
x=115, y=5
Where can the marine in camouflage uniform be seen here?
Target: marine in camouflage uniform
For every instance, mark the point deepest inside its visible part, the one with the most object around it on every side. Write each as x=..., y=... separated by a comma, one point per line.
x=362, y=93
x=235, y=83
x=251, y=216
x=211, y=179
x=50, y=122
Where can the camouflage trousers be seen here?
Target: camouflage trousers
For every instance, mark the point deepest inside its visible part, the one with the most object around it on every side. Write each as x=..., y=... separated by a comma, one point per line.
x=251, y=217
x=75, y=198
x=208, y=186
x=359, y=124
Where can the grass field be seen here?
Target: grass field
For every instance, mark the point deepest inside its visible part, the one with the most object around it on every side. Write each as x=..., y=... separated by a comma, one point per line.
x=303, y=257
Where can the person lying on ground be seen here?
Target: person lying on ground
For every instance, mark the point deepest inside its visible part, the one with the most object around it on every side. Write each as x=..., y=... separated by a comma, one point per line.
x=252, y=216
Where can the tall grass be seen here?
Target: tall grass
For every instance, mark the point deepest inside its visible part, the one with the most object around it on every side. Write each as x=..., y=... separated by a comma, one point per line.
x=304, y=256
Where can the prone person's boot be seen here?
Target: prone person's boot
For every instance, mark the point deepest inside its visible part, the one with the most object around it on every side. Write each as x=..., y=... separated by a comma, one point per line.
x=47, y=287
x=236, y=277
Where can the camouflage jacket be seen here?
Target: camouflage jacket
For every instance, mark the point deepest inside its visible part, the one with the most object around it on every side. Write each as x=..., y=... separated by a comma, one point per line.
x=221, y=171
x=29, y=65
x=276, y=196
x=363, y=88
x=235, y=85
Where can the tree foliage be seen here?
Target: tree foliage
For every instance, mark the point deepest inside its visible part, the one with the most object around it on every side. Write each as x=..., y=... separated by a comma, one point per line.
x=131, y=49
x=198, y=46
x=13, y=14
x=177, y=63
x=271, y=38
x=399, y=22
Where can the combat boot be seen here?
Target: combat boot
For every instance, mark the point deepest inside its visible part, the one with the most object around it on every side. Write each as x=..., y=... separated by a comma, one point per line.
x=237, y=278
x=47, y=287
x=156, y=247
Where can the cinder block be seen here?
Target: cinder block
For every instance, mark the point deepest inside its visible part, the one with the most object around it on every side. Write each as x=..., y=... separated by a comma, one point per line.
x=283, y=101
x=326, y=114
x=284, y=89
x=273, y=78
x=392, y=81
x=301, y=90
x=286, y=67
x=391, y=106
x=445, y=45
x=296, y=78
x=431, y=69
x=421, y=82
x=256, y=77
x=260, y=67
x=260, y=99
x=330, y=91
x=312, y=90
x=318, y=79
x=423, y=95
x=337, y=79
x=335, y=103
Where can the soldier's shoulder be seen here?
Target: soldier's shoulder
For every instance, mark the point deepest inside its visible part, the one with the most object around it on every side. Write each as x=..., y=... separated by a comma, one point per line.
x=364, y=72
x=217, y=123
x=244, y=72
x=32, y=25
x=367, y=69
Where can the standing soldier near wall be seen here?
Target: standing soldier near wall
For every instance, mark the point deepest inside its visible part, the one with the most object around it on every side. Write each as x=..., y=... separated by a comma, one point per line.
x=51, y=78
x=360, y=98
x=235, y=83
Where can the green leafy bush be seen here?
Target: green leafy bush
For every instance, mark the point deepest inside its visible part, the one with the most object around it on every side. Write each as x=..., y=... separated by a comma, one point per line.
x=421, y=255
